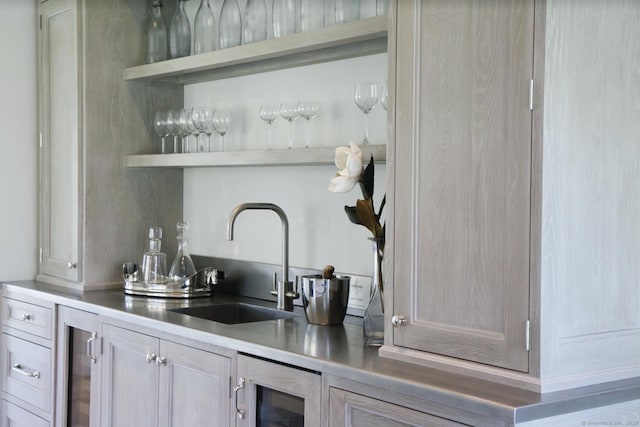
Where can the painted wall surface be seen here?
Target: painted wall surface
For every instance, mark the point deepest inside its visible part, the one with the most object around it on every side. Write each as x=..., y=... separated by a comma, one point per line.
x=18, y=140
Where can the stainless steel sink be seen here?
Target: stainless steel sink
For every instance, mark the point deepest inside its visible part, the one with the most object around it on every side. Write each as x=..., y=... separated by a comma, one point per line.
x=235, y=313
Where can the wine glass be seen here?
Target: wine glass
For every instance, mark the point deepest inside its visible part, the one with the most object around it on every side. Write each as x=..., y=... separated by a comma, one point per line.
x=202, y=117
x=160, y=126
x=269, y=113
x=307, y=110
x=222, y=123
x=289, y=113
x=366, y=97
x=384, y=97
x=173, y=125
x=185, y=124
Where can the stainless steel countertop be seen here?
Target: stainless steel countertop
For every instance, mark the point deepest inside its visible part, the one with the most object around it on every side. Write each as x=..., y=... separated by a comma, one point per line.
x=335, y=350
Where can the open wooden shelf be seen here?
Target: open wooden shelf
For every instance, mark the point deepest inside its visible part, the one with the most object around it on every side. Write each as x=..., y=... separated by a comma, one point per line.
x=298, y=156
x=364, y=37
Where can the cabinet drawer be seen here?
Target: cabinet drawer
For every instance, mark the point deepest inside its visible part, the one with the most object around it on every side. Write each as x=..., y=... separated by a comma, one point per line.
x=26, y=371
x=15, y=416
x=27, y=317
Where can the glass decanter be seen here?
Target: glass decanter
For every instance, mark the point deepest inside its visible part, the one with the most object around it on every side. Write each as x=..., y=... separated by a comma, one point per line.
x=156, y=35
x=255, y=21
x=182, y=267
x=180, y=33
x=204, y=28
x=230, y=24
x=154, y=262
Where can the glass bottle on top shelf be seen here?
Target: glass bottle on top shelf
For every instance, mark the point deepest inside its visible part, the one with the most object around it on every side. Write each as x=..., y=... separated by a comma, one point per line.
x=255, y=21
x=179, y=33
x=230, y=24
x=154, y=262
x=311, y=15
x=182, y=267
x=284, y=17
x=346, y=10
x=156, y=35
x=204, y=28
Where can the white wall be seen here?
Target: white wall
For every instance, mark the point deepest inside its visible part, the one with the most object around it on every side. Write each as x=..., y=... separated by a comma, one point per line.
x=18, y=136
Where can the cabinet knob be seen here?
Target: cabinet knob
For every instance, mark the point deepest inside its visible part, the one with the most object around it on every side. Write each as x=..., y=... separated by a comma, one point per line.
x=72, y=265
x=26, y=317
x=161, y=361
x=398, y=320
x=151, y=357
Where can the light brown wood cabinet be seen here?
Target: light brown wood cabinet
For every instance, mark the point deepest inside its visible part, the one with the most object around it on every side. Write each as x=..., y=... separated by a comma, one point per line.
x=461, y=179
x=94, y=213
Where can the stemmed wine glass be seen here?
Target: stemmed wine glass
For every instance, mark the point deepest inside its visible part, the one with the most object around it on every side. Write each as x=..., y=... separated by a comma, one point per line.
x=366, y=97
x=289, y=113
x=173, y=125
x=307, y=110
x=161, y=127
x=202, y=117
x=222, y=123
x=269, y=113
x=186, y=128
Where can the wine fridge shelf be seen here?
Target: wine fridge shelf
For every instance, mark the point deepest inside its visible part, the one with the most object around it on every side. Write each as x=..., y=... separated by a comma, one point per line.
x=359, y=38
x=298, y=156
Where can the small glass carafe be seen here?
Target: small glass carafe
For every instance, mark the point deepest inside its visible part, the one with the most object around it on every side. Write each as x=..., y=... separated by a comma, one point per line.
x=182, y=267
x=230, y=24
x=156, y=35
x=179, y=33
x=204, y=29
x=255, y=21
x=154, y=262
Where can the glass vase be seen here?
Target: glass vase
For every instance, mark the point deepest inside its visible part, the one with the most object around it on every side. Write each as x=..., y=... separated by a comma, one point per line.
x=204, y=29
x=373, y=322
x=230, y=24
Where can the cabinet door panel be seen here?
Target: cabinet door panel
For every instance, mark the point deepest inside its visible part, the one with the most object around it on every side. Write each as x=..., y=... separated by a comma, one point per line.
x=60, y=127
x=15, y=416
x=353, y=410
x=194, y=387
x=129, y=379
x=462, y=180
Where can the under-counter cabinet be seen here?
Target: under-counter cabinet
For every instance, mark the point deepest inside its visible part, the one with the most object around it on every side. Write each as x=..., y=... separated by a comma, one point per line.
x=268, y=394
x=77, y=368
x=147, y=381
x=93, y=213
x=26, y=361
x=460, y=190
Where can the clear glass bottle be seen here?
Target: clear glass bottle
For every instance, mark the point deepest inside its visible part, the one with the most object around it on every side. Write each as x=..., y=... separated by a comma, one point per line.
x=346, y=10
x=179, y=33
x=255, y=21
x=154, y=262
x=284, y=17
x=230, y=24
x=311, y=15
x=182, y=267
x=204, y=28
x=156, y=35
x=382, y=7
x=373, y=320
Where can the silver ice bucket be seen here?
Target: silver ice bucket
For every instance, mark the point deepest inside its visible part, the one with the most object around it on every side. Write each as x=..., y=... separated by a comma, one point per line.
x=325, y=300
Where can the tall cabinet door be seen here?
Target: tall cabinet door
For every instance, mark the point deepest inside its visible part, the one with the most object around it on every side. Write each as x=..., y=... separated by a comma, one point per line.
x=462, y=178
x=60, y=138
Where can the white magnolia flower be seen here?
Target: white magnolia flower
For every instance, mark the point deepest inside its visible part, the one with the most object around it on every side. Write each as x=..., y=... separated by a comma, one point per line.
x=351, y=164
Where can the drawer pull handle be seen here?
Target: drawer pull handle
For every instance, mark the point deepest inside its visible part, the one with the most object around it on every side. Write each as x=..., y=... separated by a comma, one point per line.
x=91, y=339
x=18, y=368
x=26, y=317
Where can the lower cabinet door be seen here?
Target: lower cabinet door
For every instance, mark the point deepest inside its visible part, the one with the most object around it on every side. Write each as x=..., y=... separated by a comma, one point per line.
x=194, y=387
x=130, y=380
x=15, y=416
x=354, y=410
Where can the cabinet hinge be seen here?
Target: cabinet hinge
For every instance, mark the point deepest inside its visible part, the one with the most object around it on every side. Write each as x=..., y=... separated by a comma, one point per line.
x=527, y=336
x=40, y=256
x=531, y=95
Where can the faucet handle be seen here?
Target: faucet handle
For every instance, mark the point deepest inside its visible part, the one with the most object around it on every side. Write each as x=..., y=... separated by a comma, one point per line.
x=274, y=291
x=294, y=294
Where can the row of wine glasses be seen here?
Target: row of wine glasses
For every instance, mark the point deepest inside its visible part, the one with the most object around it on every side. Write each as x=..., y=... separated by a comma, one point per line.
x=197, y=122
x=366, y=95
x=307, y=110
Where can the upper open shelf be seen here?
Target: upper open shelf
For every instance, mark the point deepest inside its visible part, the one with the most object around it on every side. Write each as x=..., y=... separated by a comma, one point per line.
x=363, y=37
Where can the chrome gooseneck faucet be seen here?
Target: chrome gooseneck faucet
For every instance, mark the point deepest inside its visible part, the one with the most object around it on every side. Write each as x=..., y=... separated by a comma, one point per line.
x=283, y=289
